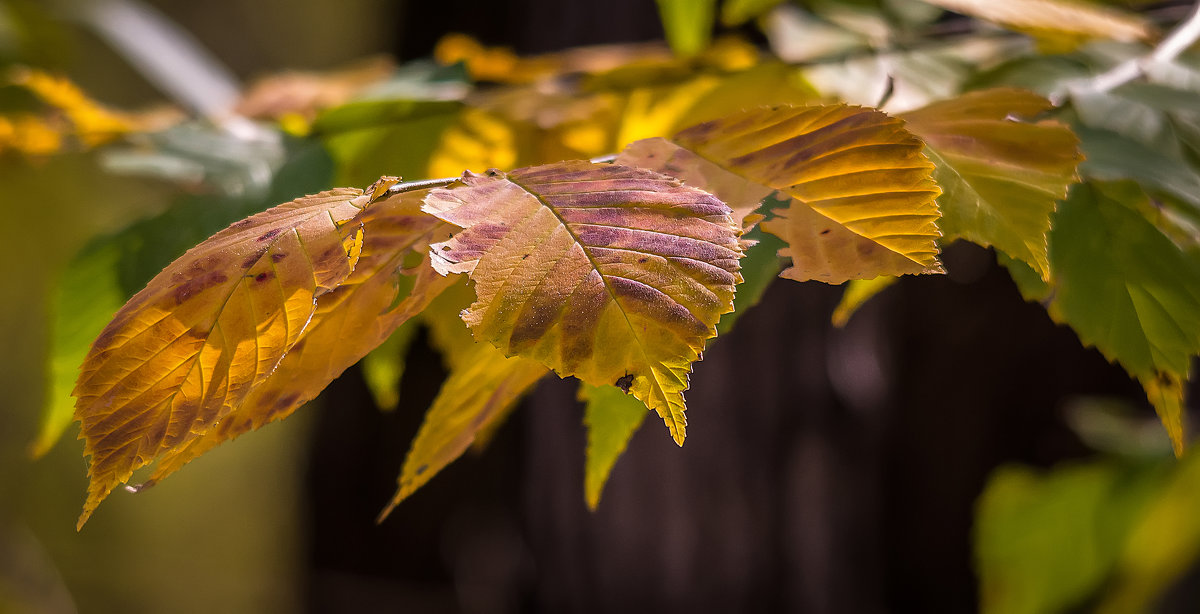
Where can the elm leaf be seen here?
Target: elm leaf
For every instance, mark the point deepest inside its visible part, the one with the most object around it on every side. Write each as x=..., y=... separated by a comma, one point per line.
x=605, y=272
x=862, y=193
x=385, y=290
x=1000, y=177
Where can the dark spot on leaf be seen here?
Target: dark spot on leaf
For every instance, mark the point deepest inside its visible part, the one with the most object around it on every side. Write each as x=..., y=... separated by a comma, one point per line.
x=250, y=260
x=277, y=256
x=525, y=256
x=624, y=382
x=422, y=469
x=270, y=234
x=241, y=223
x=264, y=276
x=197, y=285
x=826, y=231
x=643, y=259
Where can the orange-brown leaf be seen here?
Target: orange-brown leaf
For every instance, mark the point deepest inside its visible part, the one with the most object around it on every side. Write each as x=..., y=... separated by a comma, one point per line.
x=186, y=350
x=382, y=293
x=613, y=274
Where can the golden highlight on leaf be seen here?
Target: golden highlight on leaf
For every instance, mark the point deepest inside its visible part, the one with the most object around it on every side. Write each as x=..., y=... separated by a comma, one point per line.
x=863, y=196
x=613, y=274
x=383, y=292
x=1000, y=176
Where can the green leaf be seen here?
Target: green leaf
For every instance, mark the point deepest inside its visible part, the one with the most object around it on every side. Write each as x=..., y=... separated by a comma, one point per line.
x=1129, y=290
x=688, y=24
x=384, y=366
x=1048, y=542
x=760, y=267
x=738, y=12
x=87, y=296
x=611, y=417
x=1000, y=177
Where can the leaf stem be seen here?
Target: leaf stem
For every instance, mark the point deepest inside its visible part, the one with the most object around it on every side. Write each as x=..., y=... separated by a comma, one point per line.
x=1182, y=37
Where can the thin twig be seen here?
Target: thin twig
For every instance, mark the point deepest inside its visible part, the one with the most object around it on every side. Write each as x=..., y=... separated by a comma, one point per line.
x=1182, y=37
x=410, y=186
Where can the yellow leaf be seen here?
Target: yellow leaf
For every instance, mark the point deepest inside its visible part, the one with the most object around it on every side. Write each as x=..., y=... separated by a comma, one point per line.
x=474, y=397
x=93, y=124
x=862, y=194
x=613, y=274
x=184, y=352
x=384, y=291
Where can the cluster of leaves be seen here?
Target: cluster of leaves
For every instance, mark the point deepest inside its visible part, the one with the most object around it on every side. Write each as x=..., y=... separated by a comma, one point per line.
x=618, y=271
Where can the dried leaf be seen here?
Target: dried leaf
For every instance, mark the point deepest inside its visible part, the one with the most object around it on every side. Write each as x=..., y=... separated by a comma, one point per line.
x=615, y=275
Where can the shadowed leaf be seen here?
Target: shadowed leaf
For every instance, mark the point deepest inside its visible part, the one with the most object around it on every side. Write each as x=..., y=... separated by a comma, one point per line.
x=392, y=283
x=1000, y=177
x=604, y=272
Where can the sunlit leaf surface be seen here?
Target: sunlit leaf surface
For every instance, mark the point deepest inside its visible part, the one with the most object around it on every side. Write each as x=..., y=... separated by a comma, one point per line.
x=1000, y=176
x=392, y=283
x=612, y=274
x=863, y=196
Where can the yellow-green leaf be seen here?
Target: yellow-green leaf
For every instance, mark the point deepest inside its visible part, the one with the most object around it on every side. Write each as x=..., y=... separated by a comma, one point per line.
x=688, y=24
x=215, y=323
x=858, y=292
x=611, y=417
x=1000, y=176
x=392, y=283
x=613, y=274
x=472, y=398
x=862, y=192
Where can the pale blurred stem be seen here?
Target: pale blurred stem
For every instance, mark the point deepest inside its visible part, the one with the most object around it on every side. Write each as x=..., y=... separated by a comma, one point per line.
x=1182, y=37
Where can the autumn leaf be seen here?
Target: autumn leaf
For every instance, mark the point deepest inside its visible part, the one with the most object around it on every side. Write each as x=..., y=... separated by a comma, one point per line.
x=392, y=283
x=862, y=192
x=611, y=417
x=1000, y=177
x=185, y=351
x=612, y=274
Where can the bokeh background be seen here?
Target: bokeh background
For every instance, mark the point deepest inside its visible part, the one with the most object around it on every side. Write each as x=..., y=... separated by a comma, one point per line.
x=827, y=470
